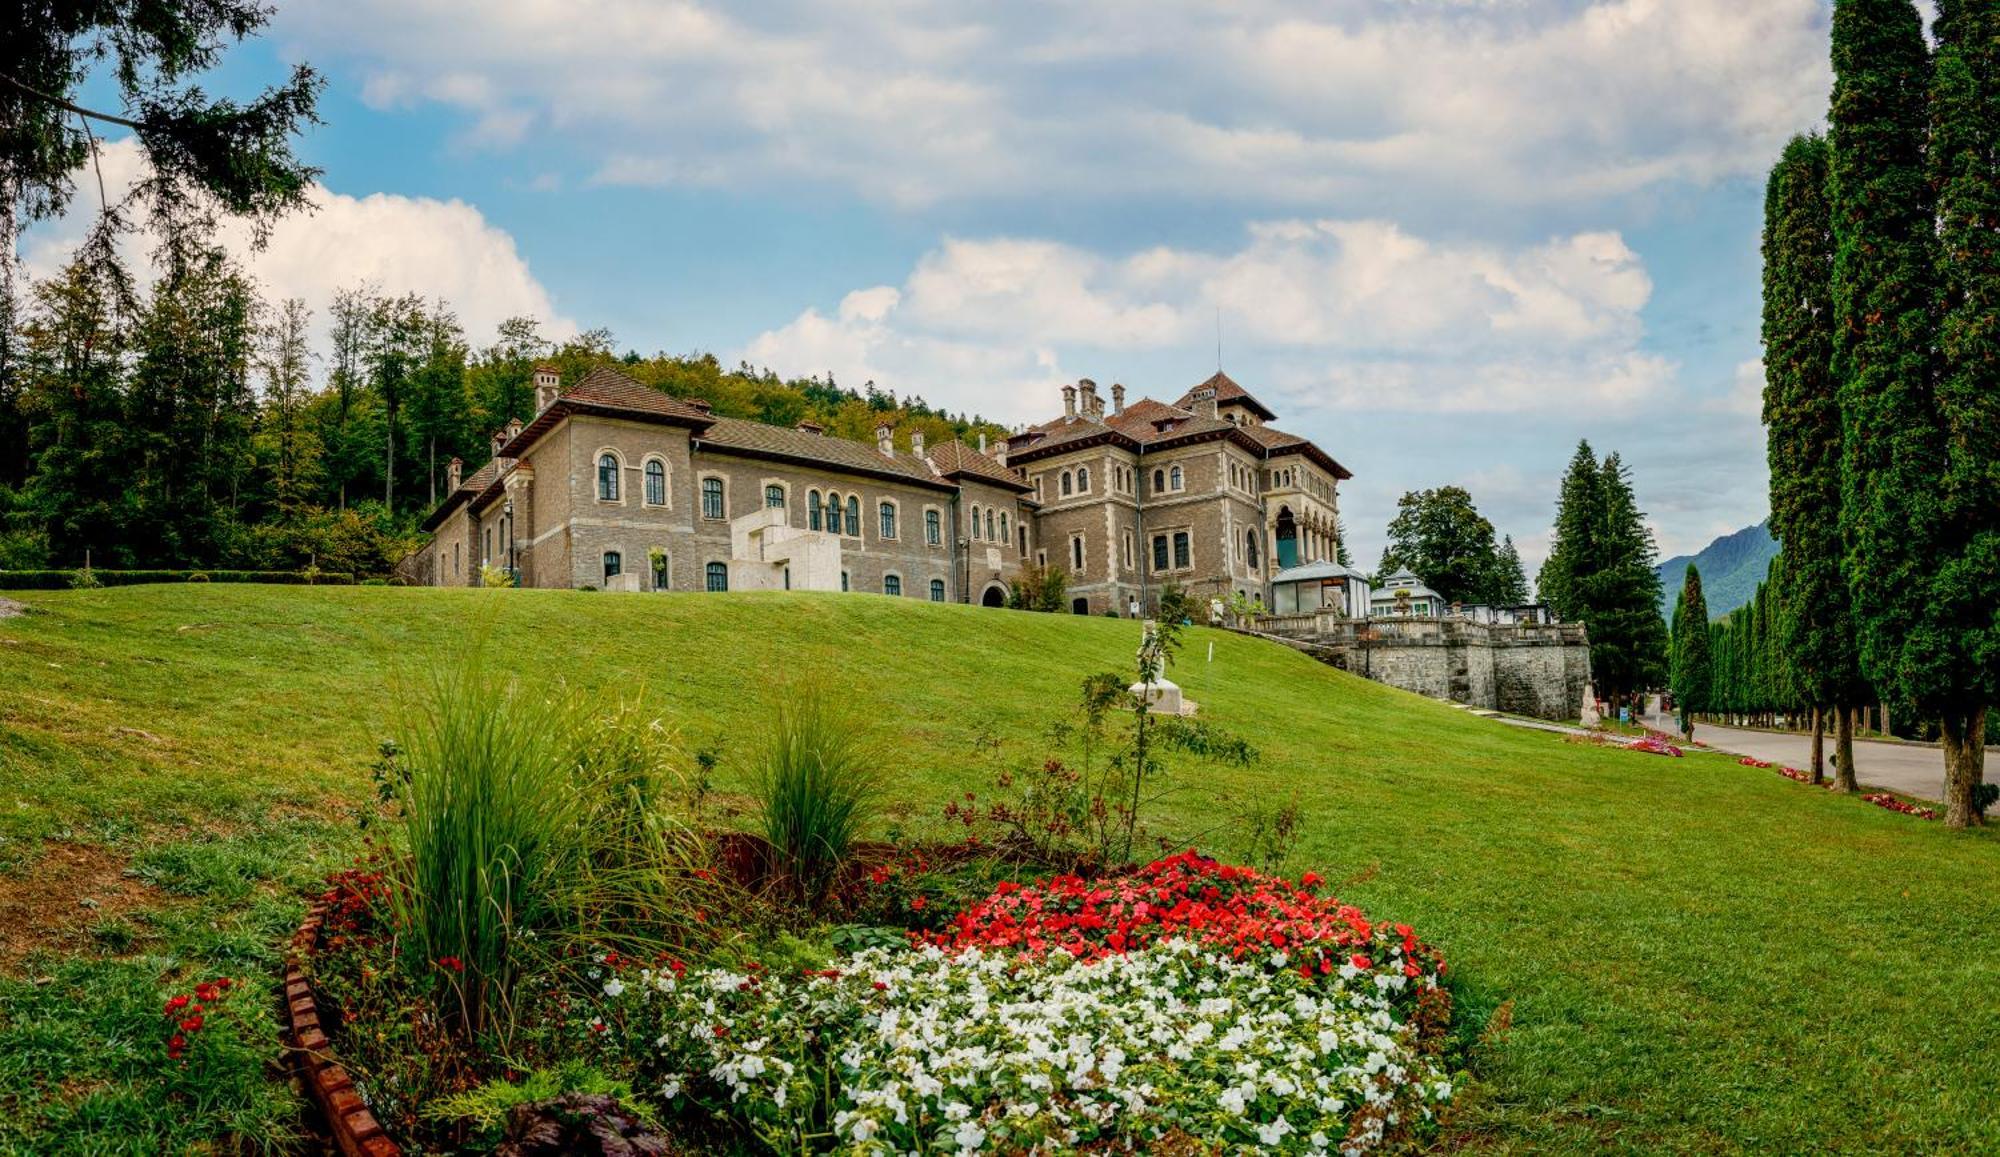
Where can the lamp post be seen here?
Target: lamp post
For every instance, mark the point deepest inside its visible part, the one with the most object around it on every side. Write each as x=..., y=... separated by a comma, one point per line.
x=513, y=557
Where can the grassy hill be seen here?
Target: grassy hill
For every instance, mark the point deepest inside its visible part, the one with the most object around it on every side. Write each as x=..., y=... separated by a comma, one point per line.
x=1731, y=567
x=1674, y=954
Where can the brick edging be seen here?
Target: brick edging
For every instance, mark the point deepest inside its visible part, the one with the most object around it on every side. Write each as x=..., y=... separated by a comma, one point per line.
x=356, y=1132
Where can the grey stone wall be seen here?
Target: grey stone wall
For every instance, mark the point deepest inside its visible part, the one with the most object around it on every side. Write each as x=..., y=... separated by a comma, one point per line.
x=1537, y=670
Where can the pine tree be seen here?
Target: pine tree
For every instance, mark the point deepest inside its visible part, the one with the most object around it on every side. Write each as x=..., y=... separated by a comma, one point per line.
x=1628, y=638
x=1573, y=551
x=1510, y=587
x=1963, y=643
x=1693, y=675
x=1340, y=554
x=1802, y=417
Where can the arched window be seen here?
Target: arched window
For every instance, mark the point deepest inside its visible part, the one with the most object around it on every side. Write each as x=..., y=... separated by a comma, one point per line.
x=1004, y=536
x=656, y=482
x=974, y=532
x=1068, y=484
x=989, y=525
x=1175, y=478
x=711, y=498
x=892, y=584
x=812, y=509
x=774, y=496
x=933, y=528
x=854, y=515
x=886, y=513
x=614, y=565
x=1159, y=481
x=937, y=590
x=718, y=576
x=607, y=478
x=1250, y=541
x=833, y=515
x=1083, y=480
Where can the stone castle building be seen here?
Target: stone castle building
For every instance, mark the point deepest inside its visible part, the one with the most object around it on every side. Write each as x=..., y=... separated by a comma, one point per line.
x=618, y=486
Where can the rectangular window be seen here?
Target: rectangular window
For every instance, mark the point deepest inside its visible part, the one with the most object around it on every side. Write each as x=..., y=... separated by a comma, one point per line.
x=1181, y=557
x=892, y=584
x=718, y=576
x=933, y=529
x=937, y=590
x=774, y=496
x=1128, y=550
x=711, y=498
x=1159, y=552
x=887, y=511
x=1076, y=553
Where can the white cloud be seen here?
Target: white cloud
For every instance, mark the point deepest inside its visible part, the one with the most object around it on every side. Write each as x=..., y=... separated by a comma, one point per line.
x=437, y=249
x=1360, y=104
x=1349, y=316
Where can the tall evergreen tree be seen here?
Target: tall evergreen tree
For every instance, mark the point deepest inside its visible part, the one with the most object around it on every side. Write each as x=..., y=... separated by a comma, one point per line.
x=1510, y=585
x=1802, y=418
x=1962, y=642
x=1340, y=553
x=1693, y=672
x=1573, y=550
x=1628, y=638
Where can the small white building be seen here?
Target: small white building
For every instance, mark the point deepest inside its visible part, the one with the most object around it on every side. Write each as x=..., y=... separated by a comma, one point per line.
x=1404, y=596
x=1320, y=586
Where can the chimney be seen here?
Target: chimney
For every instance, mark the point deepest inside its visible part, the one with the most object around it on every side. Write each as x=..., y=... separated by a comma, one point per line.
x=1000, y=453
x=1088, y=404
x=1202, y=401
x=982, y=441
x=917, y=443
x=499, y=440
x=885, y=439
x=513, y=429
x=1069, y=401
x=548, y=387
x=810, y=427
x=453, y=474
x=701, y=404
x=1117, y=398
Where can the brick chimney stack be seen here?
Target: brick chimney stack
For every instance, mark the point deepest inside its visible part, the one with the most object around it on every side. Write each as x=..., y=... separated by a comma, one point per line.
x=453, y=472
x=1069, y=401
x=917, y=443
x=1089, y=404
x=1117, y=398
x=982, y=441
x=548, y=387
x=1202, y=401
x=499, y=440
x=885, y=440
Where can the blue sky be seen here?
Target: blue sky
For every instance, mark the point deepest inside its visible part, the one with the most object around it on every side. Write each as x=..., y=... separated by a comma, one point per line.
x=1444, y=238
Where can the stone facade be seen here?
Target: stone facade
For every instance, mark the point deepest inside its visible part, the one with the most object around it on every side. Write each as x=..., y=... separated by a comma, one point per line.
x=1536, y=669
x=617, y=486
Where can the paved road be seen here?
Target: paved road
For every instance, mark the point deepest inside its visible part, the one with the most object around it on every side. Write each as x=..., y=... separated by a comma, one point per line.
x=1901, y=767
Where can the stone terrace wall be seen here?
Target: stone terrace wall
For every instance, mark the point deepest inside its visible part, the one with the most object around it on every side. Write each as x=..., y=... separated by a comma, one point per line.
x=1527, y=669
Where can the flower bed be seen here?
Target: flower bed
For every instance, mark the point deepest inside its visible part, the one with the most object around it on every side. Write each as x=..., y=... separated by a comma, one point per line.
x=1657, y=743
x=1883, y=799
x=1186, y=1000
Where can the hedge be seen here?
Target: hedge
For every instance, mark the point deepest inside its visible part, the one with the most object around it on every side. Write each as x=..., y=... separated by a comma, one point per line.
x=55, y=580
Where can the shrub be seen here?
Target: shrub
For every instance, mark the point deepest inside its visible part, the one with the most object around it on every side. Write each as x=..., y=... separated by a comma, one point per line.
x=816, y=791
x=1039, y=588
x=90, y=577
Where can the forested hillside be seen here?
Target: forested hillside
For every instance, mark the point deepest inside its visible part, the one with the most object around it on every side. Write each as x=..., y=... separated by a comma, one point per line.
x=194, y=424
x=1731, y=567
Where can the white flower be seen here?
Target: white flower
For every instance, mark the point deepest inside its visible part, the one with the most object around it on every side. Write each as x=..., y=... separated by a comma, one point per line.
x=614, y=988
x=969, y=1137
x=1274, y=1132
x=1231, y=1101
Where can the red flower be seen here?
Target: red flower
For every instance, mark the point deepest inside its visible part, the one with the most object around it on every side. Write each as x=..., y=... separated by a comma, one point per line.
x=1311, y=880
x=451, y=964
x=720, y=1031
x=917, y=904
x=1361, y=962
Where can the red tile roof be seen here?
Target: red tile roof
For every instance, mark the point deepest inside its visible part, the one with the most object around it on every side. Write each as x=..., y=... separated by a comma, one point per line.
x=1226, y=390
x=954, y=459
x=757, y=440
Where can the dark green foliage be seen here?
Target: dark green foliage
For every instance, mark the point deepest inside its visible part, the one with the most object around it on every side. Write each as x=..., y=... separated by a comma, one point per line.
x=1510, y=582
x=209, y=155
x=60, y=580
x=1965, y=172
x=1815, y=629
x=1442, y=538
x=1600, y=572
x=1885, y=336
x=1039, y=588
x=1693, y=675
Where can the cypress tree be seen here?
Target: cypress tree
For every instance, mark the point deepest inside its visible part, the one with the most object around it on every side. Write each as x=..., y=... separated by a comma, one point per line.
x=1816, y=628
x=1693, y=675
x=1884, y=337
x=1963, y=643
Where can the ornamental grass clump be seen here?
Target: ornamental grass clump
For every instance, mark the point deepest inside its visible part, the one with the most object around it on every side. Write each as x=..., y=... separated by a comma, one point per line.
x=491, y=826
x=816, y=788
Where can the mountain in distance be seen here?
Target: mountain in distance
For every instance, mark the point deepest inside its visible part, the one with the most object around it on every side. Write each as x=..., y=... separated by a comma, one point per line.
x=1731, y=567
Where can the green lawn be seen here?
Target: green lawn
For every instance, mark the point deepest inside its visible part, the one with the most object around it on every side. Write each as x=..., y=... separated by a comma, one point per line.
x=1690, y=954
